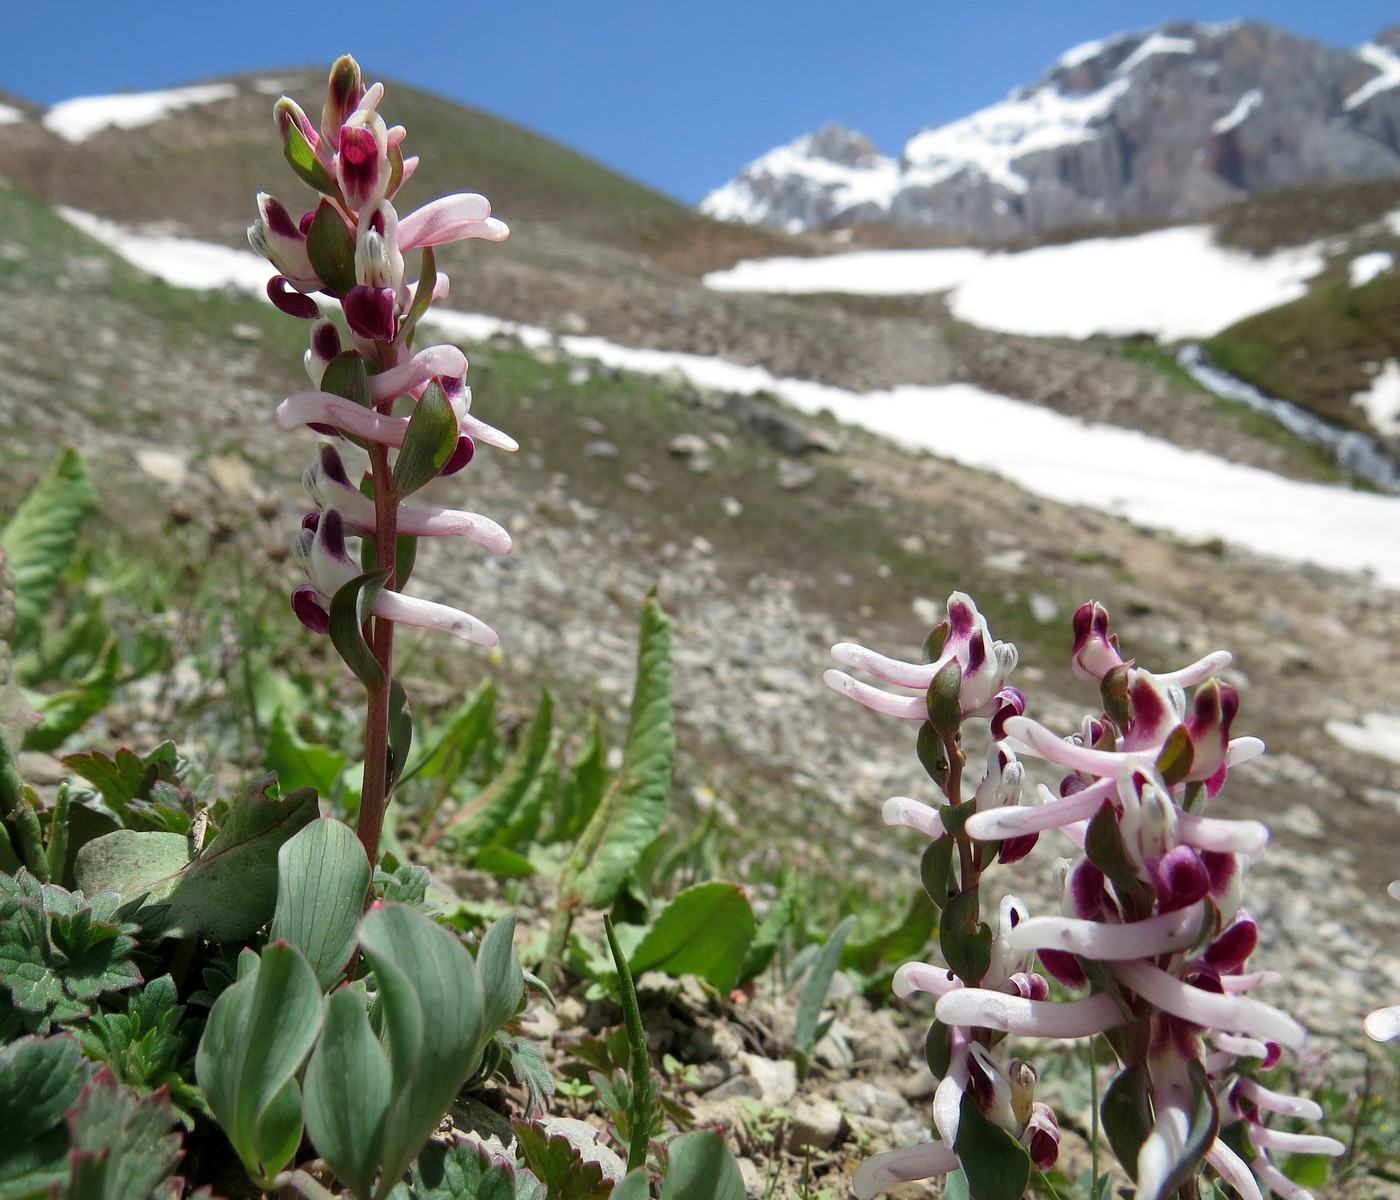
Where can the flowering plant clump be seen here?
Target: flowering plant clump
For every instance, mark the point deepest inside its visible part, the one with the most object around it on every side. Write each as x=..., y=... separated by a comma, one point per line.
x=1152, y=933
x=349, y=250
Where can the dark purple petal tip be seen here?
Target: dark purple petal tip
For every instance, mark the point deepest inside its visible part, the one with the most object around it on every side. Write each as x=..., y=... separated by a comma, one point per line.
x=461, y=456
x=307, y=607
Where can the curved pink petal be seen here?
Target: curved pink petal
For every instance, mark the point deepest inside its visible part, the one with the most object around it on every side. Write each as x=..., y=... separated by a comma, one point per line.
x=1039, y=1018
x=1237, y=1014
x=1275, y=1180
x=323, y=408
x=1295, y=1143
x=1236, y=985
x=998, y=823
x=1200, y=670
x=891, y=670
x=413, y=375
x=451, y=219
x=428, y=614
x=1278, y=1102
x=1233, y=1170
x=1238, y=1047
x=480, y=431
x=1242, y=749
x=901, y=810
x=908, y=1163
x=924, y=977
x=1148, y=938
x=1028, y=736
x=1221, y=835
x=910, y=708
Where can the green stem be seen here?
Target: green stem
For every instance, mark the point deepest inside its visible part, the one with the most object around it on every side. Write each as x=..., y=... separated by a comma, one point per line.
x=640, y=1066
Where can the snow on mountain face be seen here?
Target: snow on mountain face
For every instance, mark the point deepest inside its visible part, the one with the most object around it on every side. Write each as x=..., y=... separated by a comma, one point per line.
x=77, y=120
x=1162, y=124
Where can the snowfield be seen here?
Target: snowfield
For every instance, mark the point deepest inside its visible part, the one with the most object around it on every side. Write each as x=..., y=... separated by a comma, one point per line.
x=1172, y=283
x=1114, y=470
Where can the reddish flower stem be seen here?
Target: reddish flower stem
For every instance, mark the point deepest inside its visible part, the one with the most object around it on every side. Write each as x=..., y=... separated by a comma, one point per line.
x=374, y=790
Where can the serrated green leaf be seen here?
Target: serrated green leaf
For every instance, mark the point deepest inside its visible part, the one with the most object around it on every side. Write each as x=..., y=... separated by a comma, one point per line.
x=428, y=442
x=17, y=716
x=431, y=1001
x=41, y=536
x=347, y=1090
x=468, y=729
x=631, y=813
x=123, y=1144
x=466, y=1172
x=491, y=814
x=558, y=1166
x=583, y=790
x=63, y=713
x=996, y=1165
x=322, y=878
x=704, y=931
x=701, y=1167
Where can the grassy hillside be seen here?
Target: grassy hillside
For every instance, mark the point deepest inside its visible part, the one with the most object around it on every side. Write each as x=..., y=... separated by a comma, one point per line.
x=201, y=168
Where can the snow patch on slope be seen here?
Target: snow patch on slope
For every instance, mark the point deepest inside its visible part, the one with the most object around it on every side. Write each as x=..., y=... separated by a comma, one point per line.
x=1152, y=45
x=1240, y=113
x=10, y=116
x=77, y=120
x=1172, y=283
x=1114, y=470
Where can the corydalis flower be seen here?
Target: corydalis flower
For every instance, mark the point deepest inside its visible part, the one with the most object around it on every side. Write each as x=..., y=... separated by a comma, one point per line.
x=321, y=552
x=984, y=667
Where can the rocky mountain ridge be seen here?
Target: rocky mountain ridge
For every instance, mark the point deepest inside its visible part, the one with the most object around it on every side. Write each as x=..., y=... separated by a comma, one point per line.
x=1157, y=125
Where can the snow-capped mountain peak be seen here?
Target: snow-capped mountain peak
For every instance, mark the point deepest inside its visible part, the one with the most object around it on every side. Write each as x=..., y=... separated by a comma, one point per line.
x=1157, y=124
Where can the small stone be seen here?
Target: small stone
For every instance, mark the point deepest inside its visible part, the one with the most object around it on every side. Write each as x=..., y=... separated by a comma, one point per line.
x=163, y=467
x=688, y=445
x=794, y=475
x=1303, y=821
x=600, y=449
x=580, y=375
x=639, y=483
x=231, y=475
x=815, y=1125
x=245, y=332
x=731, y=507
x=1043, y=608
x=39, y=769
x=928, y=612
x=752, y=1177
x=776, y=1080
x=572, y=323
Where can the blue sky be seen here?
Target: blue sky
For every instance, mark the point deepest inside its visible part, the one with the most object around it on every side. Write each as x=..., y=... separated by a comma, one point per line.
x=676, y=93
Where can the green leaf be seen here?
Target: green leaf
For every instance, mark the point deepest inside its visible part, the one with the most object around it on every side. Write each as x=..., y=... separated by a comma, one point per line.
x=1127, y=1115
x=63, y=713
x=428, y=443
x=422, y=295
x=40, y=1079
x=302, y=159
x=1174, y=760
x=470, y=727
x=498, y=806
x=466, y=1172
x=583, y=790
x=700, y=1167
x=259, y=1033
x=432, y=1010
x=936, y=870
x=938, y=1049
x=330, y=245
x=1103, y=844
x=558, y=1166
x=17, y=717
x=123, y=1144
x=347, y=376
x=503, y=862
x=347, y=1090
x=41, y=536
x=400, y=731
x=809, y=1006
x=635, y=1185
x=944, y=698
x=965, y=941
x=350, y=607
x=995, y=1163
x=502, y=979
x=132, y=864
x=631, y=814
x=897, y=944
x=298, y=763
x=770, y=933
x=705, y=931
x=230, y=890
x=322, y=878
